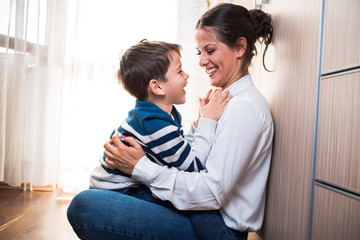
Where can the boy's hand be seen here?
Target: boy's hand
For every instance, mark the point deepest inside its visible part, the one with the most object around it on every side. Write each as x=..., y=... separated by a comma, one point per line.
x=212, y=107
x=203, y=101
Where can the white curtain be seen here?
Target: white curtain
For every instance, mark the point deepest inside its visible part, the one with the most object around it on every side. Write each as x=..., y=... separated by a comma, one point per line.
x=61, y=100
x=31, y=90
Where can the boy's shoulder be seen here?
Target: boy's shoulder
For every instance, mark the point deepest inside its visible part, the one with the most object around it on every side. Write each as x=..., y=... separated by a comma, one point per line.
x=147, y=117
x=146, y=108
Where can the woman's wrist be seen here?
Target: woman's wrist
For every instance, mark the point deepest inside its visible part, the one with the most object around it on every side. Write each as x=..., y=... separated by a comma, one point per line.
x=144, y=170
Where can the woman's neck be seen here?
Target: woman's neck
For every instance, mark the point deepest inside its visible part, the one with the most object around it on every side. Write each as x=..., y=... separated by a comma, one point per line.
x=235, y=78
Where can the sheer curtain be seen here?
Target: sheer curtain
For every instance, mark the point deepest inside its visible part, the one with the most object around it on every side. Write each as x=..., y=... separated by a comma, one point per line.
x=32, y=41
x=59, y=107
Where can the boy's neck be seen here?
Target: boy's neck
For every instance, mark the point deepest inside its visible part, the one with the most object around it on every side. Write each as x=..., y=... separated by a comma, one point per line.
x=160, y=103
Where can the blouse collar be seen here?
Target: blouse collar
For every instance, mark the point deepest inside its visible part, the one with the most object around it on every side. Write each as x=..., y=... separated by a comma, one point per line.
x=240, y=85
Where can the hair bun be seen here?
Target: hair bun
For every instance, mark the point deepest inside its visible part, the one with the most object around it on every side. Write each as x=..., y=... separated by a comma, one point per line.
x=262, y=25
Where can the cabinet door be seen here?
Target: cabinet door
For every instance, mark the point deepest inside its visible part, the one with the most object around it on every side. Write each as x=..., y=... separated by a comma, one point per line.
x=341, y=34
x=338, y=159
x=335, y=216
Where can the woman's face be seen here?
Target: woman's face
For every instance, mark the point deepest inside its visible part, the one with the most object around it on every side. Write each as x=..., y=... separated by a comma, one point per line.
x=221, y=63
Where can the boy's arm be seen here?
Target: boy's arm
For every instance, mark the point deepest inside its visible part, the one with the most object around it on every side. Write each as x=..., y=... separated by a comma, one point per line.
x=191, y=155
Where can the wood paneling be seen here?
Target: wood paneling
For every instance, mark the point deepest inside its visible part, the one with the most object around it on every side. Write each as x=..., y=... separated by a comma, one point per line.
x=335, y=216
x=338, y=159
x=291, y=93
x=341, y=34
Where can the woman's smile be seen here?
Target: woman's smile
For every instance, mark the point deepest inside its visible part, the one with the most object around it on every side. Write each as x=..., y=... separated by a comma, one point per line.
x=211, y=71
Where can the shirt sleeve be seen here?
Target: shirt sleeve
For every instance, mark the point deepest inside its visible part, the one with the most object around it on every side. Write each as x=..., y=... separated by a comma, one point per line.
x=236, y=147
x=177, y=151
x=190, y=135
x=202, y=139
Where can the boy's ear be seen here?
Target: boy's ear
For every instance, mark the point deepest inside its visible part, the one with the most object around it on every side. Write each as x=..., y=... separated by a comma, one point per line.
x=241, y=46
x=155, y=87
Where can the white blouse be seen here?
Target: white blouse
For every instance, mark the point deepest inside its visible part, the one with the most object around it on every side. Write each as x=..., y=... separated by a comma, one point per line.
x=236, y=169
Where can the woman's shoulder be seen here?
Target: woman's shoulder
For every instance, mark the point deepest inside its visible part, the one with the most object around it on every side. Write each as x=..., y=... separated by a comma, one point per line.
x=251, y=103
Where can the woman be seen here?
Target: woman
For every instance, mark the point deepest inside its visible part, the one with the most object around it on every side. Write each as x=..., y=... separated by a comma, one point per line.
x=237, y=166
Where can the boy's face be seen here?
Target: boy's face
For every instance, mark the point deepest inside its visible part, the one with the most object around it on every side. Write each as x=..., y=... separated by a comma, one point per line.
x=176, y=80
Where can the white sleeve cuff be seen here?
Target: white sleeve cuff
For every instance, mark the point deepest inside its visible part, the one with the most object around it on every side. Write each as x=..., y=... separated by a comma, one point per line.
x=144, y=171
x=206, y=124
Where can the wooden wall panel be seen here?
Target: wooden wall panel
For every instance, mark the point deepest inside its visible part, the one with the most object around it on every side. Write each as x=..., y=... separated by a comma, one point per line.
x=342, y=34
x=335, y=216
x=291, y=92
x=338, y=159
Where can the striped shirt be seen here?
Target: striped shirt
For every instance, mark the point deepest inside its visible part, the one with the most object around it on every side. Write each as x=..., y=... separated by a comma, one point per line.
x=161, y=137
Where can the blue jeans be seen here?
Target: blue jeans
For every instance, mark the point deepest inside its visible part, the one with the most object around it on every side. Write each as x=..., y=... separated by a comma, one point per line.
x=102, y=214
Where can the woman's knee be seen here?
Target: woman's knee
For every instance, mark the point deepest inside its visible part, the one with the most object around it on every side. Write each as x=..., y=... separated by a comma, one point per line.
x=119, y=214
x=80, y=208
x=77, y=207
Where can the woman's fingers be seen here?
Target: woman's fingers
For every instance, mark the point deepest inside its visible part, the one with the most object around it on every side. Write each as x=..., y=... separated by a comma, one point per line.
x=109, y=162
x=118, y=144
x=108, y=154
x=113, y=147
x=121, y=156
x=109, y=148
x=132, y=142
x=107, y=143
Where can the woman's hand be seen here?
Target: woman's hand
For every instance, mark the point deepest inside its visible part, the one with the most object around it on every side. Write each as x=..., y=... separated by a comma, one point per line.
x=121, y=156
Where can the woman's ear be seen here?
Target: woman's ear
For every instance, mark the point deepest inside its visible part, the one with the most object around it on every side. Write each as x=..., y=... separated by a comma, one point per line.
x=241, y=46
x=155, y=87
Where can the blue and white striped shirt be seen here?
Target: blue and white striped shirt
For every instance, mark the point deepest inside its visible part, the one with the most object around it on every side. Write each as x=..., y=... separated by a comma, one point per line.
x=163, y=141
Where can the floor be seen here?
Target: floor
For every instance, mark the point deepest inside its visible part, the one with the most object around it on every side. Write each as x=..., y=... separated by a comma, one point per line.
x=36, y=215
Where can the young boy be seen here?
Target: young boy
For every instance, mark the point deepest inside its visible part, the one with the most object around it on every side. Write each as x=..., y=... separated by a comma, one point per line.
x=151, y=72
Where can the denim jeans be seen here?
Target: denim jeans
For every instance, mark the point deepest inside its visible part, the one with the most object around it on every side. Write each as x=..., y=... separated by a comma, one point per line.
x=103, y=214
x=211, y=225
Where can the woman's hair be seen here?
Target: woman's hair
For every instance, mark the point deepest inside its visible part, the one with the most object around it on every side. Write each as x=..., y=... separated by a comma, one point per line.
x=143, y=62
x=230, y=22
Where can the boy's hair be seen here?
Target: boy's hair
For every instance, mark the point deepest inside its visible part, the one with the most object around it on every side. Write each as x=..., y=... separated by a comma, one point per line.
x=143, y=62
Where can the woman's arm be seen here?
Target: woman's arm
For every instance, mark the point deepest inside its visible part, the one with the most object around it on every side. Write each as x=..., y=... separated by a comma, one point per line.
x=239, y=141
x=126, y=158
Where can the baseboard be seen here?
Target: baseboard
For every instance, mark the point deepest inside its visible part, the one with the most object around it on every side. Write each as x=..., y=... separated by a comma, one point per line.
x=48, y=188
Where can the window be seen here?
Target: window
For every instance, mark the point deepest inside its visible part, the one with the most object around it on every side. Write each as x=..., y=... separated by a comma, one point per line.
x=23, y=27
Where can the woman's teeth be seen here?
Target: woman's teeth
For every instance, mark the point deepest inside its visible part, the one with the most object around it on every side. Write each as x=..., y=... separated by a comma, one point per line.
x=211, y=70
